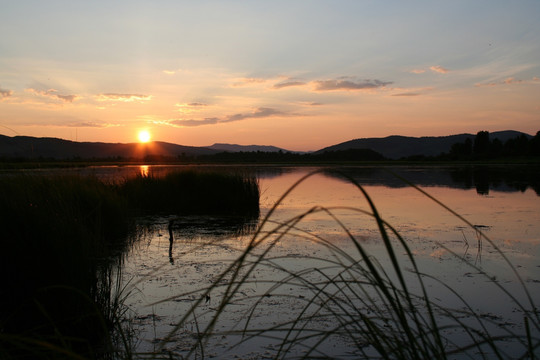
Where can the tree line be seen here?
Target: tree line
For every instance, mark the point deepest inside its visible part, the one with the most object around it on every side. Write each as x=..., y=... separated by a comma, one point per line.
x=483, y=148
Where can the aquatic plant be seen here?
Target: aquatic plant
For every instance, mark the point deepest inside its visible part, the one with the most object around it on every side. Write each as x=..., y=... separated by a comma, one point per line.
x=379, y=307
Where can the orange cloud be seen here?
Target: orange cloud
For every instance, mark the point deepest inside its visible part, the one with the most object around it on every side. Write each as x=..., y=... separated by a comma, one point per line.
x=5, y=93
x=337, y=85
x=512, y=80
x=310, y=103
x=123, y=97
x=191, y=107
x=439, y=69
x=258, y=113
x=407, y=94
x=248, y=81
x=52, y=93
x=285, y=84
x=89, y=124
x=508, y=81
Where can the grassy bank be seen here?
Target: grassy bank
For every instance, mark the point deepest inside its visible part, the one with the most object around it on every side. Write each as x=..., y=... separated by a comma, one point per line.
x=64, y=235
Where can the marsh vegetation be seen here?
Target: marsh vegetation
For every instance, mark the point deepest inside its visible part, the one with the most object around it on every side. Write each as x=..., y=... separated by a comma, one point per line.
x=62, y=243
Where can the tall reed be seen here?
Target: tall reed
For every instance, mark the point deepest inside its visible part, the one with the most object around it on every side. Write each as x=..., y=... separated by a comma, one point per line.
x=62, y=244
x=381, y=308
x=193, y=192
x=57, y=235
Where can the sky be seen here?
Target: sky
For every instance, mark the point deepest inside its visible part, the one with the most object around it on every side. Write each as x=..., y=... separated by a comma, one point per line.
x=300, y=75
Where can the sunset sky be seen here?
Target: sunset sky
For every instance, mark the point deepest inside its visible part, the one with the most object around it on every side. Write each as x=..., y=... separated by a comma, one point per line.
x=300, y=75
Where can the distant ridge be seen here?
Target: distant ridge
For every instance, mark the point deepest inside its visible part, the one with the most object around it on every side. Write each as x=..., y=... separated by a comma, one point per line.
x=396, y=147
x=245, y=148
x=391, y=147
x=34, y=147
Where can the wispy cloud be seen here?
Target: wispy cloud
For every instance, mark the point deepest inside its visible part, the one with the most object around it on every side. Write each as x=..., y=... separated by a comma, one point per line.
x=435, y=68
x=261, y=112
x=509, y=81
x=248, y=81
x=88, y=124
x=5, y=93
x=348, y=85
x=123, y=97
x=288, y=83
x=192, y=122
x=439, y=69
x=310, y=103
x=53, y=94
x=407, y=94
x=190, y=107
x=512, y=80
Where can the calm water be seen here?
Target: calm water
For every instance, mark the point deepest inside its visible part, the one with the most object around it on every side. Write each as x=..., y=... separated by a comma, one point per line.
x=503, y=204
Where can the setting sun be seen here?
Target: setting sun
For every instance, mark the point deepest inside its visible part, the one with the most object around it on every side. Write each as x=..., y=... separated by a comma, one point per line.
x=144, y=136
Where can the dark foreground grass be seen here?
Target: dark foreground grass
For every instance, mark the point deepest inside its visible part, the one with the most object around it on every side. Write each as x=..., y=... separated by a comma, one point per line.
x=61, y=245
x=57, y=233
x=381, y=311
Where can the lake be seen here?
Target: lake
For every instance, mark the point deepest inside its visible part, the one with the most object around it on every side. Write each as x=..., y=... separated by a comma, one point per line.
x=289, y=263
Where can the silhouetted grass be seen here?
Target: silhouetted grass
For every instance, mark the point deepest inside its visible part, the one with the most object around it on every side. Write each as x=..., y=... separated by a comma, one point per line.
x=57, y=233
x=61, y=245
x=193, y=192
x=382, y=311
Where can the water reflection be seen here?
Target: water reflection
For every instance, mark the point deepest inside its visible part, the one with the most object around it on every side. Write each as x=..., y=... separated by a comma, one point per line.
x=506, y=178
x=171, y=241
x=188, y=229
x=144, y=170
x=483, y=178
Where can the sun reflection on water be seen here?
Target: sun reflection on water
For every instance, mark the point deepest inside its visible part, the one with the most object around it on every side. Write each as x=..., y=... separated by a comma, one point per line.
x=144, y=170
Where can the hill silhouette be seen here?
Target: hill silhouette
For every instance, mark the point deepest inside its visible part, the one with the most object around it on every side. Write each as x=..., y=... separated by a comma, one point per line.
x=33, y=147
x=391, y=147
x=245, y=148
x=396, y=147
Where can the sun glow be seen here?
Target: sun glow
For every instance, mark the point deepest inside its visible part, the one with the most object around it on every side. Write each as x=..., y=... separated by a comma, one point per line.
x=144, y=136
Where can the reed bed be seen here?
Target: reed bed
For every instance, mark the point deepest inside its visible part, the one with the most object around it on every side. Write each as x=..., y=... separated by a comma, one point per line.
x=54, y=231
x=380, y=308
x=193, y=192
x=62, y=244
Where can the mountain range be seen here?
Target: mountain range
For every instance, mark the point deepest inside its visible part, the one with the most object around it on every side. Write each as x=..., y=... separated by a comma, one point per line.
x=392, y=147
